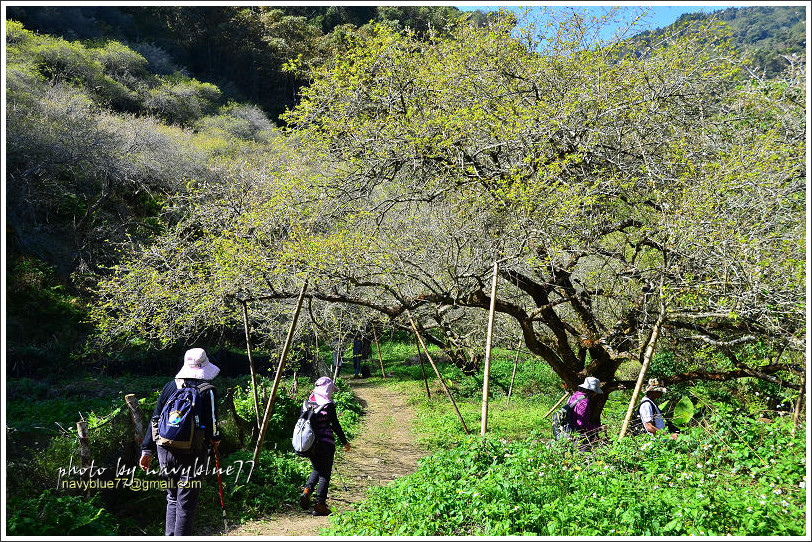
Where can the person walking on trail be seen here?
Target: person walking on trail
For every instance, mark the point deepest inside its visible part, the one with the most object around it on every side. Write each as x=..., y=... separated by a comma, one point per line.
x=325, y=427
x=651, y=418
x=357, y=351
x=582, y=402
x=183, y=468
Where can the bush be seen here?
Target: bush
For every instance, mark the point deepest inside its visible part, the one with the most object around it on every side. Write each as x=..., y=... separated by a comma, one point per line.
x=182, y=102
x=697, y=485
x=277, y=479
x=120, y=62
x=61, y=60
x=59, y=515
x=239, y=121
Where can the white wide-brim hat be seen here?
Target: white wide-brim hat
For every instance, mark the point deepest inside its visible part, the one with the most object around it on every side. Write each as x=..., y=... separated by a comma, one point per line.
x=196, y=365
x=654, y=385
x=592, y=384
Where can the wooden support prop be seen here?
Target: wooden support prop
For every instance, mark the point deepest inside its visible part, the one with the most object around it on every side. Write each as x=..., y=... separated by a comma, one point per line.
x=378, y=346
x=555, y=406
x=241, y=423
x=420, y=358
x=339, y=357
x=250, y=357
x=317, y=361
x=513, y=377
x=84, y=451
x=437, y=372
x=278, y=378
x=796, y=416
x=647, y=355
x=295, y=388
x=488, y=340
x=139, y=426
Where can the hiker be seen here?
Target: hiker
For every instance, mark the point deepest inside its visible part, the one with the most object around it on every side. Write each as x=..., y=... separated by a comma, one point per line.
x=651, y=418
x=183, y=469
x=582, y=401
x=324, y=424
x=357, y=350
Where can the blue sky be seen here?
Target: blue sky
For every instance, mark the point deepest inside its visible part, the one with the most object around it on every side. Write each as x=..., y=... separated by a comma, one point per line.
x=660, y=14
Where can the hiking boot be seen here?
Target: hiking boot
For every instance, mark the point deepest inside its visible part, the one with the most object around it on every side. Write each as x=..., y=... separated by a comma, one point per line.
x=321, y=509
x=304, y=498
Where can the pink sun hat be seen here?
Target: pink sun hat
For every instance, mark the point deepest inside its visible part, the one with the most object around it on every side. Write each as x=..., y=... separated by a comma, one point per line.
x=196, y=365
x=323, y=391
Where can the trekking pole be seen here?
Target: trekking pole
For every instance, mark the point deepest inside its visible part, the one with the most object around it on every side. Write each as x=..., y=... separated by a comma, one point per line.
x=340, y=477
x=220, y=485
x=216, y=445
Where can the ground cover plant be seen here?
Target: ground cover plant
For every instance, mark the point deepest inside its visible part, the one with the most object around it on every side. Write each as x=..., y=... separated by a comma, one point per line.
x=708, y=482
x=732, y=470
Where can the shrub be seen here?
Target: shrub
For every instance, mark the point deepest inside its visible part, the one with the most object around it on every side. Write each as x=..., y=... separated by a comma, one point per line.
x=182, y=102
x=59, y=515
x=120, y=62
x=708, y=482
x=60, y=60
x=239, y=121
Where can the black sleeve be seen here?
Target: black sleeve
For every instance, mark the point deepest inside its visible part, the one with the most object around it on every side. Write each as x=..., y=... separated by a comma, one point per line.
x=331, y=413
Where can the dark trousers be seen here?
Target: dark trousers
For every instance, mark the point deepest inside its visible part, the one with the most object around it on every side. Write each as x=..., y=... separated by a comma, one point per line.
x=184, y=476
x=356, y=363
x=322, y=461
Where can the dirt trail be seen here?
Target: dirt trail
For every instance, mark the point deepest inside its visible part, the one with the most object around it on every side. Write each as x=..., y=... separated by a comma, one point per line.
x=384, y=450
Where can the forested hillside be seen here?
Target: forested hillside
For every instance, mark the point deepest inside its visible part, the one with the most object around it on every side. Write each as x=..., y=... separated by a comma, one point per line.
x=242, y=50
x=774, y=35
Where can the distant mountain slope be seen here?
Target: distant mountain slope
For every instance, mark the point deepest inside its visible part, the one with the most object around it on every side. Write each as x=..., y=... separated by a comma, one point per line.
x=767, y=32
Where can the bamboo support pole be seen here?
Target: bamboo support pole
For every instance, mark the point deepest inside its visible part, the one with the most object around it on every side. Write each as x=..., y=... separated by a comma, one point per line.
x=437, y=372
x=555, y=406
x=280, y=368
x=84, y=450
x=796, y=415
x=647, y=355
x=488, y=342
x=295, y=387
x=338, y=356
x=241, y=423
x=250, y=358
x=417, y=341
x=513, y=376
x=139, y=426
x=378, y=346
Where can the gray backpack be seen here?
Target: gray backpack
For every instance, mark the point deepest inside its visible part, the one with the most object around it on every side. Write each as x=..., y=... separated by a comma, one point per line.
x=303, y=436
x=563, y=423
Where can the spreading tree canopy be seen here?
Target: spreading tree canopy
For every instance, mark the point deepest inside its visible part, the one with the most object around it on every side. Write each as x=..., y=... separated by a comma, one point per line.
x=631, y=197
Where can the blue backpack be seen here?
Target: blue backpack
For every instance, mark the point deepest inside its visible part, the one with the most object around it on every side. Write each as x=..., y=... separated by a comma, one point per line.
x=182, y=423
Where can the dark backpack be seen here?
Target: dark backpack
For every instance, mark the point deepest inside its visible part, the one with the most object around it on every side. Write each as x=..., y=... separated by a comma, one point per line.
x=563, y=423
x=303, y=435
x=181, y=425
